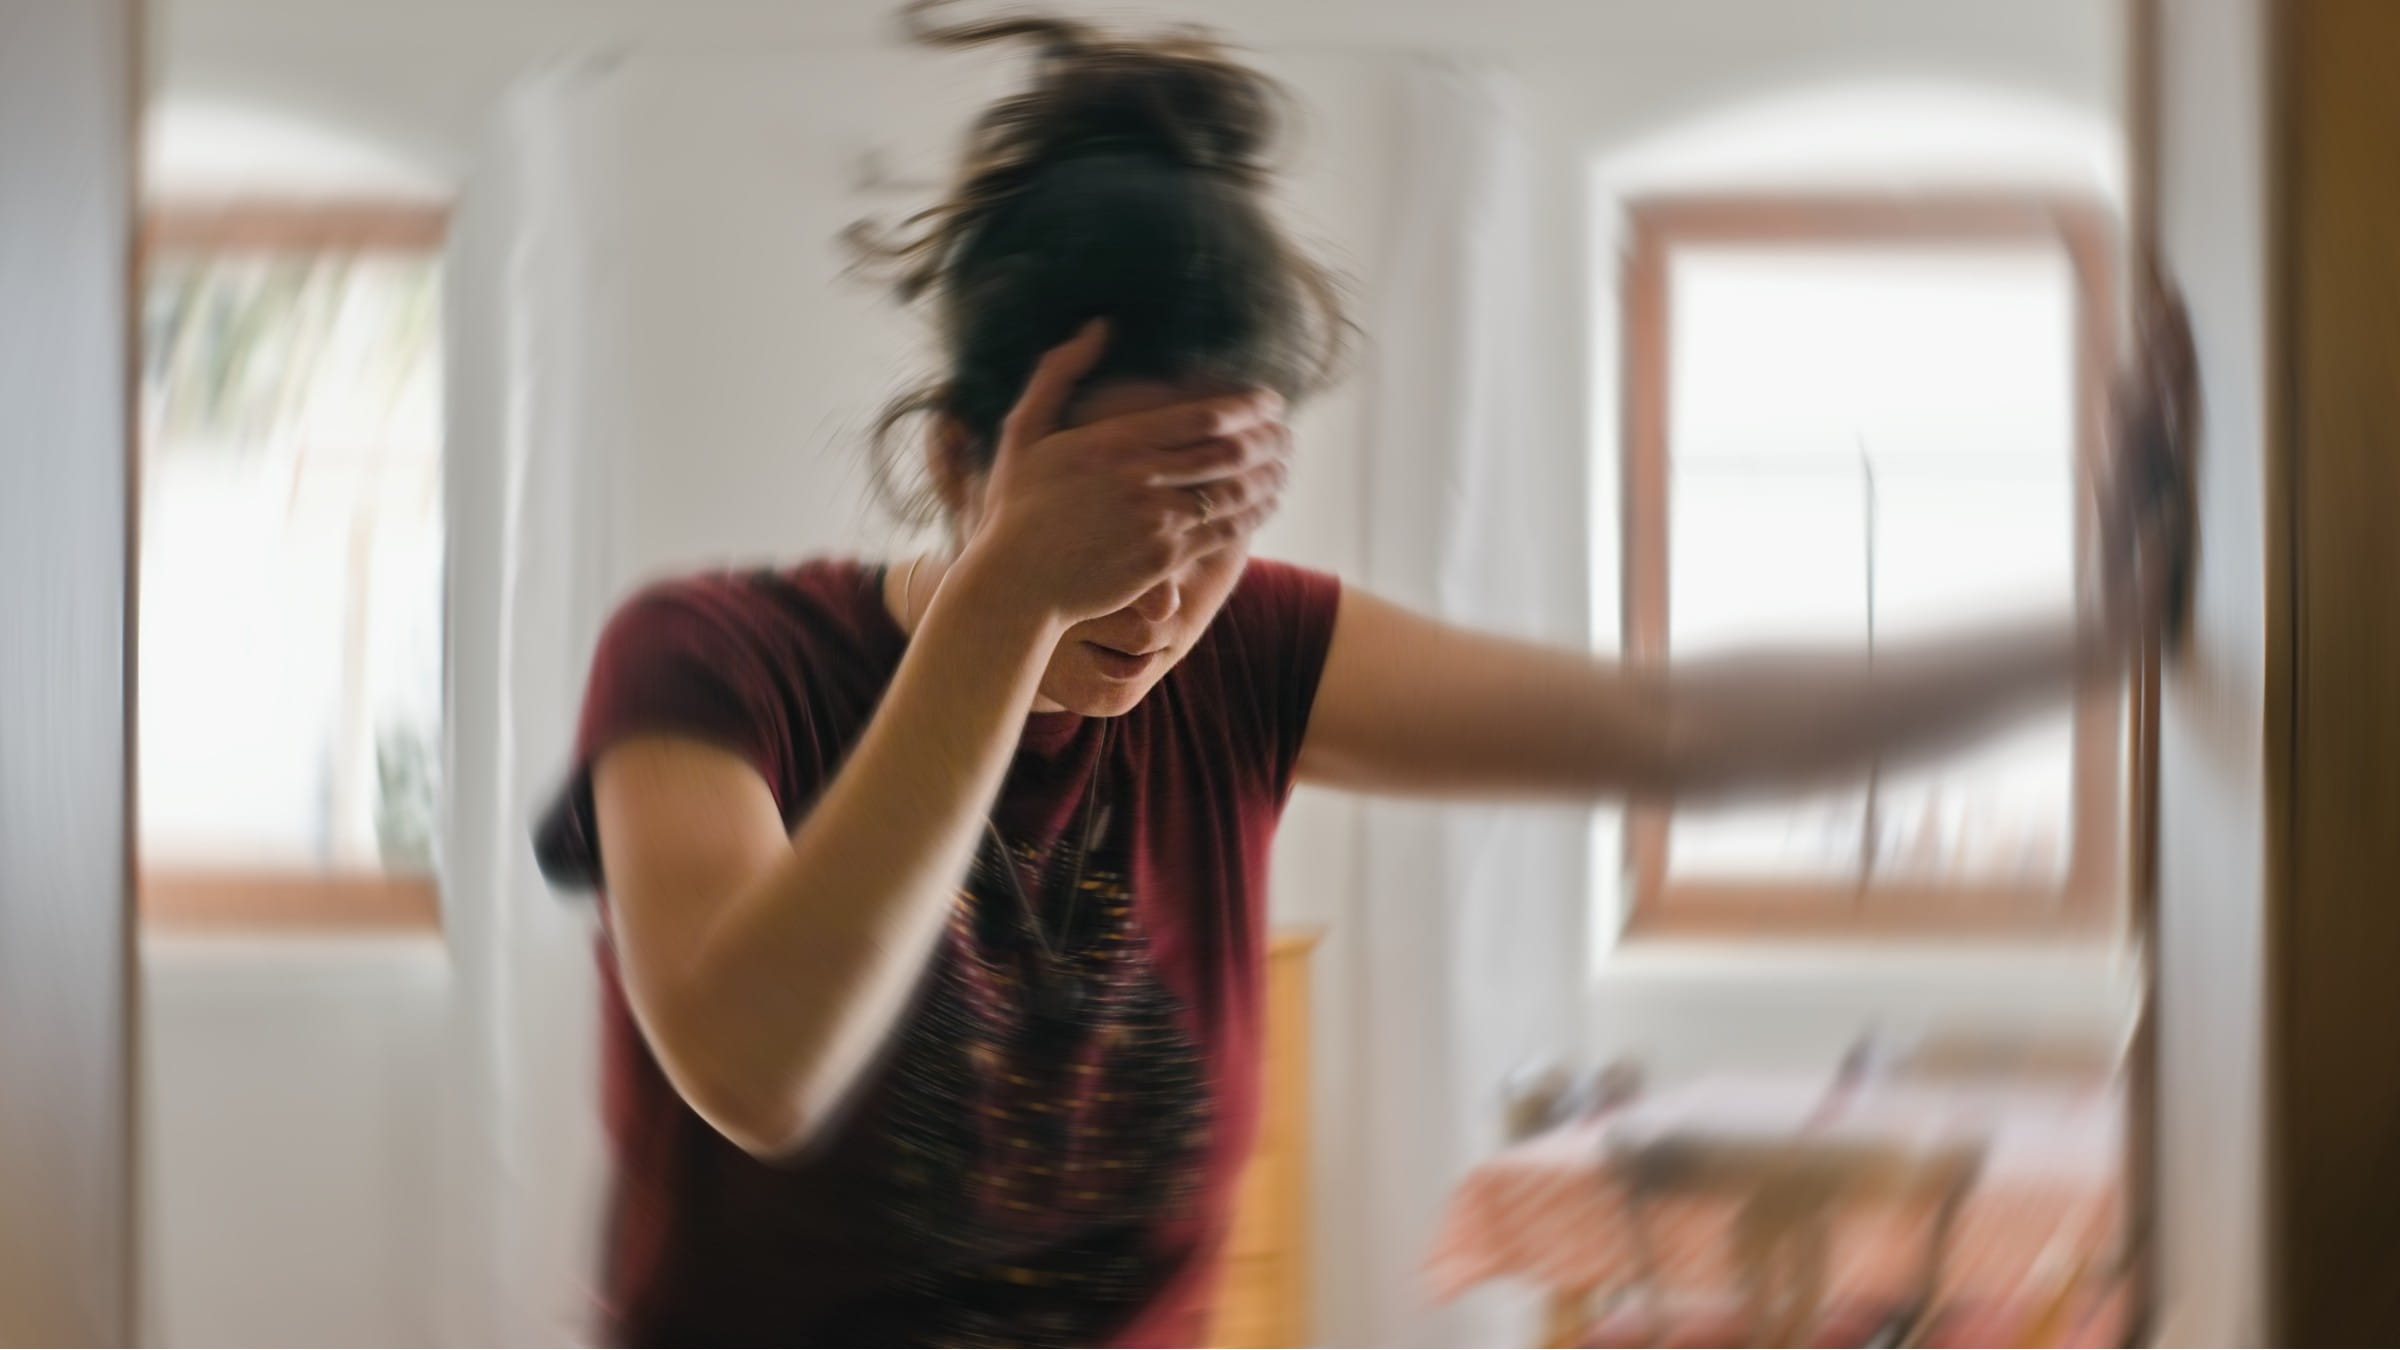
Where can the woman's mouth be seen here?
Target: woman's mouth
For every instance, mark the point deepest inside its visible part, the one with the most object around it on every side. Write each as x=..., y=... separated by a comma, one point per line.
x=1117, y=665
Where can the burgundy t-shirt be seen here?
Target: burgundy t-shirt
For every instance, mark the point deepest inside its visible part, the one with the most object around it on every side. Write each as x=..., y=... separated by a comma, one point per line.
x=1047, y=1152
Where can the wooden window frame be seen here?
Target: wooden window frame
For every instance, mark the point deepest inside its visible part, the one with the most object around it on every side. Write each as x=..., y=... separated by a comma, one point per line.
x=2090, y=902
x=188, y=898
x=292, y=226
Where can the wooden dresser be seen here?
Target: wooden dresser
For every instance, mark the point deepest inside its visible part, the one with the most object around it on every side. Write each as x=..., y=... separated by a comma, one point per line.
x=1265, y=1296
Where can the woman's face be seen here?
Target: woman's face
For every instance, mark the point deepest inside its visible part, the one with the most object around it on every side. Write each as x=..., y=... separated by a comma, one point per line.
x=1104, y=666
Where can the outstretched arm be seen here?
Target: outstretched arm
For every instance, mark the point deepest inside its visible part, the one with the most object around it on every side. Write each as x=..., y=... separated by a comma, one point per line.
x=1411, y=705
x=1407, y=704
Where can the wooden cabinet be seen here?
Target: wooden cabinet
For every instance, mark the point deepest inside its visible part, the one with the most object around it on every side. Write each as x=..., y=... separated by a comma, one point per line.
x=1264, y=1296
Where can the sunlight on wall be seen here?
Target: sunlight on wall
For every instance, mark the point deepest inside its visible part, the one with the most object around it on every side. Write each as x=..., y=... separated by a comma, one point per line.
x=203, y=149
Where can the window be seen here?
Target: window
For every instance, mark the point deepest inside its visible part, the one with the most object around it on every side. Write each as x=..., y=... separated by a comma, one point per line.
x=290, y=640
x=1851, y=423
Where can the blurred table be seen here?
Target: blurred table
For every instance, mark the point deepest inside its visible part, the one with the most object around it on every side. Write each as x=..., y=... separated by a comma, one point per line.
x=1560, y=1210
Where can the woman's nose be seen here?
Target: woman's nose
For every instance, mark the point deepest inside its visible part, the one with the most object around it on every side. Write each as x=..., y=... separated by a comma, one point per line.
x=1159, y=603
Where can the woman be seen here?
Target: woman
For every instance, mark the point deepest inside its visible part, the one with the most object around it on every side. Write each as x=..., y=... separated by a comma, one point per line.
x=936, y=891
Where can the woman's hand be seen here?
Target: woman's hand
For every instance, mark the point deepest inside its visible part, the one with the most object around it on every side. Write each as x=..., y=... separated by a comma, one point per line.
x=1083, y=520
x=2147, y=508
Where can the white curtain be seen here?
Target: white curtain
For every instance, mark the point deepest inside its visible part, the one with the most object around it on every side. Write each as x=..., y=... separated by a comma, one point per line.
x=533, y=461
x=1467, y=938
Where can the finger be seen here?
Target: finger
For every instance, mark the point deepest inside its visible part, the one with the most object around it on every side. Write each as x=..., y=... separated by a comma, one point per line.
x=1216, y=460
x=1204, y=504
x=2161, y=300
x=1181, y=424
x=1053, y=384
x=2169, y=358
x=1226, y=531
x=2174, y=324
x=2164, y=330
x=2104, y=474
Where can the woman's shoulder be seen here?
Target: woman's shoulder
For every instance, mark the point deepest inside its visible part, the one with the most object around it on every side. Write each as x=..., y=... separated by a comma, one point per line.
x=784, y=626
x=1273, y=573
x=749, y=659
x=824, y=595
x=1275, y=625
x=1283, y=600
x=824, y=581
x=1261, y=660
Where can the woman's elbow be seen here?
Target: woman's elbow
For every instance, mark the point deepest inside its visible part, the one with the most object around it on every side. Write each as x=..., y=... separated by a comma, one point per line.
x=771, y=1126
x=767, y=1111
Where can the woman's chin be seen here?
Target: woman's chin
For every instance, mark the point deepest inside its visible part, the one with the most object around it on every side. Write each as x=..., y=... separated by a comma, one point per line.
x=1086, y=689
x=1094, y=702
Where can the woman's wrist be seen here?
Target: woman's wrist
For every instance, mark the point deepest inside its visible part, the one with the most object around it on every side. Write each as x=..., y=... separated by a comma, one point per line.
x=981, y=588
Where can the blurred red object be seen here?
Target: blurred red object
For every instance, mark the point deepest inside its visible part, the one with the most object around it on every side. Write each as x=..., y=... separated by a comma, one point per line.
x=1780, y=1209
x=2095, y=1320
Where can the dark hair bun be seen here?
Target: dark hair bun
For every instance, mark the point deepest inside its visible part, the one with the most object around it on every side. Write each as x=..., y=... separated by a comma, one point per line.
x=1127, y=180
x=1201, y=113
x=1177, y=96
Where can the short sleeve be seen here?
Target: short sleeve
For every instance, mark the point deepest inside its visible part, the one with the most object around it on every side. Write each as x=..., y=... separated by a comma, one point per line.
x=682, y=659
x=1284, y=618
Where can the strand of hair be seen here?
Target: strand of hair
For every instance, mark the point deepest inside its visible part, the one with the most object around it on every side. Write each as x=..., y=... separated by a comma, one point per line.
x=1056, y=37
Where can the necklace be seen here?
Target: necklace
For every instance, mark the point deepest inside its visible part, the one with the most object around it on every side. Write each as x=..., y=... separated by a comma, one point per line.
x=1063, y=996
x=908, y=592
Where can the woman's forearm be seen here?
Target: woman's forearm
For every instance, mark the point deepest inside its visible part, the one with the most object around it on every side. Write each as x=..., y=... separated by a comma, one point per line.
x=1774, y=721
x=792, y=991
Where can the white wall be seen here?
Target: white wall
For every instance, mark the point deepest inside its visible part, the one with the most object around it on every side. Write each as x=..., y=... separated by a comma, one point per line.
x=418, y=81
x=290, y=1090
